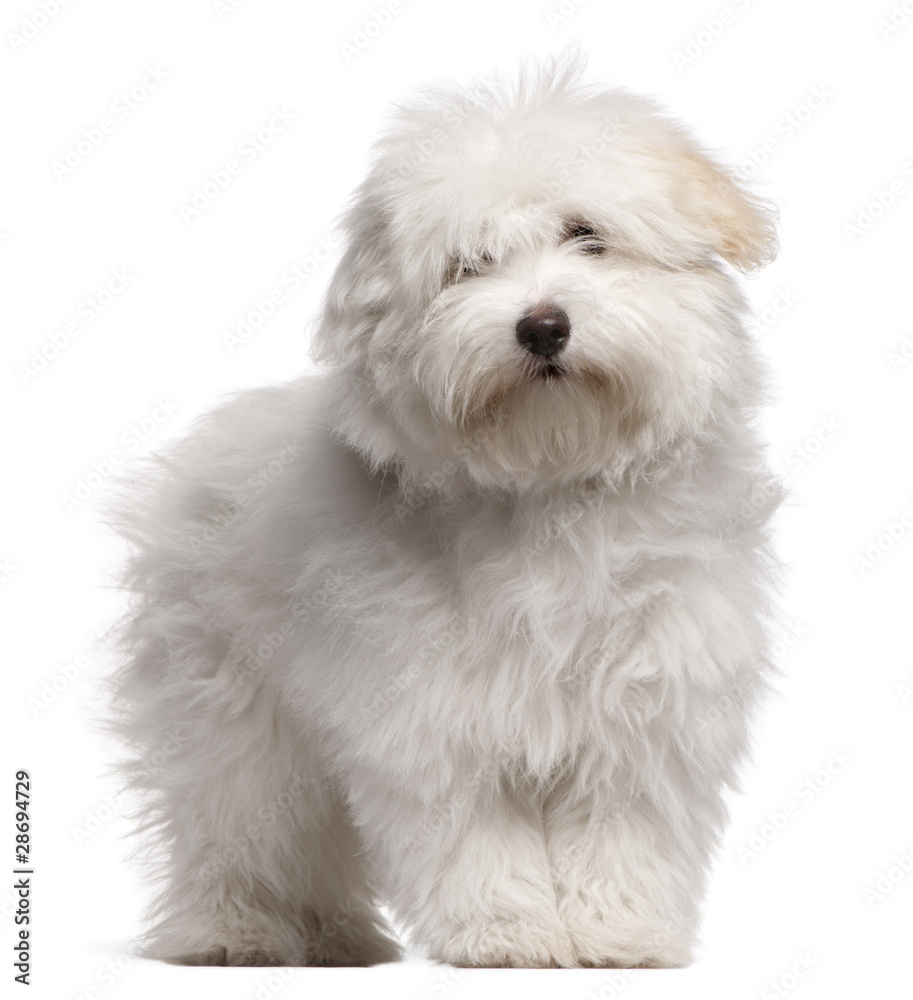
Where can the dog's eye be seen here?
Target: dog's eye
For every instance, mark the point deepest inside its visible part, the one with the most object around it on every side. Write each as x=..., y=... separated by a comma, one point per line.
x=585, y=236
x=472, y=267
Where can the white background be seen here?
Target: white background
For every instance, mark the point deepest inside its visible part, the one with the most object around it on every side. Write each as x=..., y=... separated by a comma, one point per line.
x=811, y=878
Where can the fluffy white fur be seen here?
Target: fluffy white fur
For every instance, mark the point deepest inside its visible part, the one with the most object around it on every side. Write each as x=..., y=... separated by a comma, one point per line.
x=441, y=628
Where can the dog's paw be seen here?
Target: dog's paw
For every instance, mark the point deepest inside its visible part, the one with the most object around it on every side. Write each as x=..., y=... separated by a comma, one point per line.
x=507, y=945
x=624, y=960
x=237, y=955
x=598, y=945
x=358, y=946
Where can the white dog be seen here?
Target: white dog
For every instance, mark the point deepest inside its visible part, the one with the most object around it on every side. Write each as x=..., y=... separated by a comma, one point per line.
x=472, y=623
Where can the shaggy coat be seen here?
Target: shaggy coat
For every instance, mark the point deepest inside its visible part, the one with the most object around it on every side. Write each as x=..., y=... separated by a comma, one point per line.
x=455, y=627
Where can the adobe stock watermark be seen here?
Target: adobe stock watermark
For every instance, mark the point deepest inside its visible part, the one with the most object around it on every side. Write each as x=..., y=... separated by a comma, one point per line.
x=882, y=201
x=760, y=498
x=905, y=691
x=225, y=7
x=266, y=305
x=441, y=983
x=583, y=157
x=888, y=879
x=106, y=976
x=218, y=180
x=801, y=454
x=56, y=684
x=710, y=30
x=366, y=33
x=761, y=494
x=237, y=847
x=270, y=986
x=899, y=16
x=880, y=545
x=792, y=633
x=785, y=128
x=154, y=763
x=784, y=984
x=444, y=811
x=229, y=509
x=559, y=13
x=555, y=522
x=86, y=312
x=316, y=946
x=331, y=588
x=764, y=320
x=31, y=25
x=7, y=569
x=423, y=146
x=390, y=693
x=744, y=688
x=118, y=111
x=804, y=793
x=901, y=355
x=131, y=442
x=97, y=818
x=614, y=983
x=415, y=498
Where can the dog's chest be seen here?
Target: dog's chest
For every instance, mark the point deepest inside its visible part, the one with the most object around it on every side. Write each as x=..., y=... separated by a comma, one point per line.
x=508, y=627
x=540, y=582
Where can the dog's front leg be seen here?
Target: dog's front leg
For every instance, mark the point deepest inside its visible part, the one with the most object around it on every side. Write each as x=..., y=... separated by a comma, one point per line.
x=628, y=877
x=632, y=826
x=467, y=870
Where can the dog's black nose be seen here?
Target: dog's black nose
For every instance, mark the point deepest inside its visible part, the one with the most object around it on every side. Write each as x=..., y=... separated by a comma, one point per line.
x=544, y=332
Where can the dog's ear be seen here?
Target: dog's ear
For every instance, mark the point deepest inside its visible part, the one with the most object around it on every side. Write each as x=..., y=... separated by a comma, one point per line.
x=738, y=226
x=359, y=292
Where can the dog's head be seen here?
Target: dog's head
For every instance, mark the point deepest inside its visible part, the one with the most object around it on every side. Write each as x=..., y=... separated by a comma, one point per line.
x=535, y=287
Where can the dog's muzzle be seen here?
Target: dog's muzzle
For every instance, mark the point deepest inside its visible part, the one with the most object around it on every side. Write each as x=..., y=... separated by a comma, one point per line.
x=545, y=331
